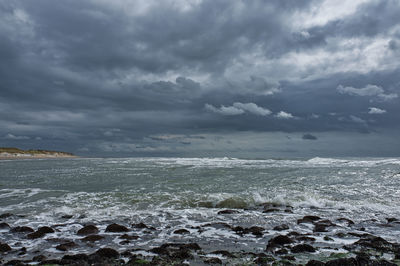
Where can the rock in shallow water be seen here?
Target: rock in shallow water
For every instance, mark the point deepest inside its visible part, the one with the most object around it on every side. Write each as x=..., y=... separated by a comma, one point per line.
x=88, y=230
x=302, y=248
x=22, y=229
x=116, y=228
x=92, y=238
x=4, y=247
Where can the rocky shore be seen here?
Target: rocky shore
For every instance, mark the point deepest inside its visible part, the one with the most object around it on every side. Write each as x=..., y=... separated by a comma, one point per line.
x=324, y=242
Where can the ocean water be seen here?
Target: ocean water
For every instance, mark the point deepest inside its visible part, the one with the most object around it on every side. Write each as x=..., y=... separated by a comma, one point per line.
x=175, y=193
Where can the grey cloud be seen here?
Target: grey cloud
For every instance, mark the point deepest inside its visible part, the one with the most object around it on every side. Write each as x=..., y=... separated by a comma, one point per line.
x=309, y=137
x=96, y=77
x=375, y=110
x=369, y=90
x=224, y=110
x=284, y=115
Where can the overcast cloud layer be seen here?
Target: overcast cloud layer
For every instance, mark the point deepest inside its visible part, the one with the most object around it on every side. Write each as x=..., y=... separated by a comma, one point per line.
x=201, y=78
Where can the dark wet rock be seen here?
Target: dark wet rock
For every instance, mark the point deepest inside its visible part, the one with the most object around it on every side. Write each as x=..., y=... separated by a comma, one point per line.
x=50, y=262
x=294, y=233
x=342, y=262
x=77, y=259
x=377, y=243
x=116, y=228
x=92, y=238
x=305, y=238
x=88, y=230
x=15, y=263
x=348, y=221
x=4, y=226
x=129, y=237
x=271, y=210
x=142, y=226
x=22, y=251
x=39, y=258
x=359, y=235
x=224, y=253
x=66, y=246
x=392, y=219
x=281, y=227
x=181, y=254
x=264, y=260
x=67, y=216
x=22, y=229
x=238, y=230
x=213, y=261
x=282, y=251
x=218, y=225
x=289, y=257
x=302, y=248
x=46, y=230
x=280, y=240
x=308, y=219
x=175, y=250
x=228, y=211
x=35, y=235
x=320, y=228
x=192, y=246
x=341, y=234
x=4, y=247
x=327, y=238
x=255, y=230
x=181, y=231
x=5, y=215
x=107, y=253
x=42, y=231
x=315, y=263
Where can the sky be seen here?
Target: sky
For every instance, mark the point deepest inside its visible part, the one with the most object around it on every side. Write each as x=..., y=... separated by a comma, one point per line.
x=195, y=78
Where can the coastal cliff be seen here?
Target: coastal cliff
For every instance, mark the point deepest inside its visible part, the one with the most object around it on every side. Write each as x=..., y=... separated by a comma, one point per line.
x=15, y=153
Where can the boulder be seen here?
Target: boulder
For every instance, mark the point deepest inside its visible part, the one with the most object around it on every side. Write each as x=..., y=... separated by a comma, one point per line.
x=88, y=230
x=116, y=228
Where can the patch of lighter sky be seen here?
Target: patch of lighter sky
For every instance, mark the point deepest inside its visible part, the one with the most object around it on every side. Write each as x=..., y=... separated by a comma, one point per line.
x=326, y=11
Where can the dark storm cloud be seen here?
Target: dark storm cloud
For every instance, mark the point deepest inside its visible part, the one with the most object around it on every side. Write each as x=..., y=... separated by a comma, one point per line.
x=309, y=137
x=141, y=77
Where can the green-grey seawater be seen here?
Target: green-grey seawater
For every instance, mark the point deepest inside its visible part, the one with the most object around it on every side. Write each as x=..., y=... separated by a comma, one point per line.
x=176, y=193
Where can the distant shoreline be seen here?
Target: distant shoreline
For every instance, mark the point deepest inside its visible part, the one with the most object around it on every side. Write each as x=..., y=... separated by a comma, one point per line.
x=16, y=154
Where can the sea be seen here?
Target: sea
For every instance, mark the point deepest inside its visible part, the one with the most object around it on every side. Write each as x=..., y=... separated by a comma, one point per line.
x=168, y=194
